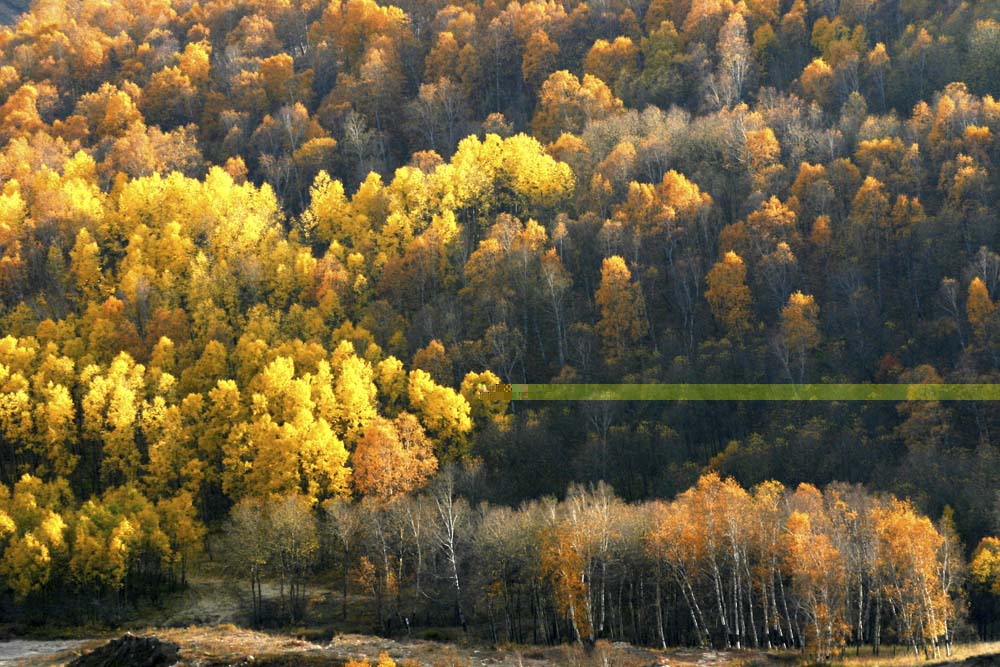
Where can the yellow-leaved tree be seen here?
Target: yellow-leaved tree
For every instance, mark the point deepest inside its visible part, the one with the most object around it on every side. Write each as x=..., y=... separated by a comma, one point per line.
x=818, y=575
x=907, y=547
x=284, y=446
x=392, y=458
x=728, y=294
x=985, y=565
x=111, y=413
x=799, y=334
x=355, y=390
x=116, y=535
x=444, y=412
x=623, y=318
x=34, y=531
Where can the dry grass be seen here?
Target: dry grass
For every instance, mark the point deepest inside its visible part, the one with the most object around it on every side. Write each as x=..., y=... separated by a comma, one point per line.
x=904, y=656
x=229, y=644
x=226, y=644
x=207, y=646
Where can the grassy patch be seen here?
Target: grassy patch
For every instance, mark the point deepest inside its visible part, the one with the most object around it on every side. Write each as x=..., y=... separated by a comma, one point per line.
x=904, y=656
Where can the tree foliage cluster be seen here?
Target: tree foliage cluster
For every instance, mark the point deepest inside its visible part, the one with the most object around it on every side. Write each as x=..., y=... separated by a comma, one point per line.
x=253, y=249
x=719, y=565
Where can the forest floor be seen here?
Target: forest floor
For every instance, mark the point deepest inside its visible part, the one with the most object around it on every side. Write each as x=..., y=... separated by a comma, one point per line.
x=230, y=646
x=977, y=654
x=205, y=621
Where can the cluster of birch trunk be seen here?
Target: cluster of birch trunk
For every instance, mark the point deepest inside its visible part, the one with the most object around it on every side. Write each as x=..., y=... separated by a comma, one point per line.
x=769, y=567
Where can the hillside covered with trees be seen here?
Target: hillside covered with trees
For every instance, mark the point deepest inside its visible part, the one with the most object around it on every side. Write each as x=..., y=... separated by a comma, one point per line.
x=258, y=257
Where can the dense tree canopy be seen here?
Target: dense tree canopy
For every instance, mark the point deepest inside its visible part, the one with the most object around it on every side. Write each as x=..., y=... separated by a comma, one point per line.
x=260, y=250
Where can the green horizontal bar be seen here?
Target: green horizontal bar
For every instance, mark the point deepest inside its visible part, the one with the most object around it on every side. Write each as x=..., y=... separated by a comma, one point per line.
x=747, y=392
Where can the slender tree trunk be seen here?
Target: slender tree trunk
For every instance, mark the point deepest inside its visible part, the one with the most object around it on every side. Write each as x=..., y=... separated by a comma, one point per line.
x=344, y=584
x=493, y=623
x=639, y=626
x=878, y=624
x=720, y=603
x=534, y=616
x=775, y=614
x=766, y=612
x=753, y=623
x=698, y=612
x=737, y=614
x=861, y=608
x=602, y=611
x=572, y=622
x=659, y=616
x=631, y=609
x=788, y=618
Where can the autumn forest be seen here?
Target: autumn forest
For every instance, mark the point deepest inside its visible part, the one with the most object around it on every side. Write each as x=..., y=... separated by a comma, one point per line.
x=258, y=259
